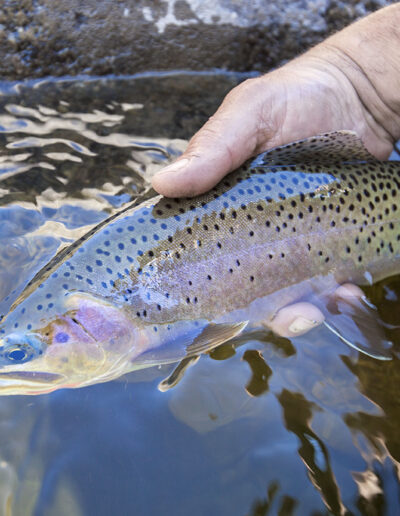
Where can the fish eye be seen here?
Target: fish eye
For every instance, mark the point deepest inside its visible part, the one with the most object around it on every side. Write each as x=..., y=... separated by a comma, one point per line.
x=17, y=354
x=19, y=348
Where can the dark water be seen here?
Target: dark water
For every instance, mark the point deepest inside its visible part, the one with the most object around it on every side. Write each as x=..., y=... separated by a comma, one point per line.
x=266, y=426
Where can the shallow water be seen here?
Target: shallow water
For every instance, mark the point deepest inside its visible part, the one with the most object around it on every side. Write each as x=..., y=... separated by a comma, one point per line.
x=265, y=426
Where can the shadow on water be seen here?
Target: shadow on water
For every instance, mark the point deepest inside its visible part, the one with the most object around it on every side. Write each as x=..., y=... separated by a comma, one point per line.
x=260, y=426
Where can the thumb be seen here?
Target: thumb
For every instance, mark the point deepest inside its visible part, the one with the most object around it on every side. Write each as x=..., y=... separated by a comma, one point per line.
x=221, y=145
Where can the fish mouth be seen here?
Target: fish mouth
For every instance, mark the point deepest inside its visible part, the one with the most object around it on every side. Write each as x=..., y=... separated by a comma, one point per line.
x=29, y=382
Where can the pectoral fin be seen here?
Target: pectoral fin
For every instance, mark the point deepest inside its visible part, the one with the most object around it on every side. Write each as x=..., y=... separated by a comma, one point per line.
x=212, y=336
x=357, y=323
x=177, y=374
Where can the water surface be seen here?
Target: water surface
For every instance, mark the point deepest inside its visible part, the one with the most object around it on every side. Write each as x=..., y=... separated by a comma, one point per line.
x=264, y=426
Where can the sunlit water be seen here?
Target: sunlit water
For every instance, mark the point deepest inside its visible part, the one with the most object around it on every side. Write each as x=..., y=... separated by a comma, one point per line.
x=264, y=426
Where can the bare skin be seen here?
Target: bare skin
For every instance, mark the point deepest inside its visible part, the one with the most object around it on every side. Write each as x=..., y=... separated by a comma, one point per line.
x=350, y=81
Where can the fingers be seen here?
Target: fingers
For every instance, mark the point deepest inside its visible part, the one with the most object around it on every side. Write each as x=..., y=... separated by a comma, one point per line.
x=348, y=292
x=299, y=318
x=296, y=319
x=222, y=144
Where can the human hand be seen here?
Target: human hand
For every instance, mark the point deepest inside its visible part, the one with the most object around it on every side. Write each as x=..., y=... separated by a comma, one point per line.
x=306, y=97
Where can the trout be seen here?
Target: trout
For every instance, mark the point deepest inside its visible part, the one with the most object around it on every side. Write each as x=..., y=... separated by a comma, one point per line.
x=168, y=279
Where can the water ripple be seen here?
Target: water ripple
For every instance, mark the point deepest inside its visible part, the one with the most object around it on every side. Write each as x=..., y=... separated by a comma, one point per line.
x=264, y=424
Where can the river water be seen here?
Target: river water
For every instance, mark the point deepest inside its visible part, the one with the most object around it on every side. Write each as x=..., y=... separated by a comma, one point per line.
x=267, y=426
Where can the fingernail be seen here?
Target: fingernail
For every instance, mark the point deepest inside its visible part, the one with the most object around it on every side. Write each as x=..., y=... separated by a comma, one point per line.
x=301, y=324
x=174, y=167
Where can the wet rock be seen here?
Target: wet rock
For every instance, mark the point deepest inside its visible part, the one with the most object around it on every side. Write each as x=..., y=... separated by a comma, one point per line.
x=42, y=37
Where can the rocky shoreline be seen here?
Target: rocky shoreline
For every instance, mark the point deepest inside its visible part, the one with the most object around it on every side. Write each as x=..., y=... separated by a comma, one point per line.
x=40, y=38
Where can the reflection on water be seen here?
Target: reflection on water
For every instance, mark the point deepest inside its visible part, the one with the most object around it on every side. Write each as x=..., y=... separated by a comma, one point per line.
x=260, y=426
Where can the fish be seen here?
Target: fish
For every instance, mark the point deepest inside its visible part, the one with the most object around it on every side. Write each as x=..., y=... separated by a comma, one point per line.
x=167, y=279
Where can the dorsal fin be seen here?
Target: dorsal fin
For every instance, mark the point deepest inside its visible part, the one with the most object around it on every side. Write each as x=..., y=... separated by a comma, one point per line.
x=329, y=148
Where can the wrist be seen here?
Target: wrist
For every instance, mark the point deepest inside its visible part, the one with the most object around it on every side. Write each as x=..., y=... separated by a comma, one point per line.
x=381, y=108
x=365, y=55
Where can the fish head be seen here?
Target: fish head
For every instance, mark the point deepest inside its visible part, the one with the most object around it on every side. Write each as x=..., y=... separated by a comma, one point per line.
x=88, y=341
